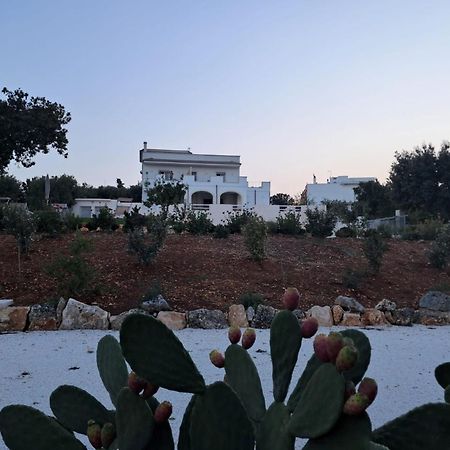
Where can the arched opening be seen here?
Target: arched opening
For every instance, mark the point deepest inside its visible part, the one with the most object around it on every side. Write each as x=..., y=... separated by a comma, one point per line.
x=230, y=198
x=202, y=198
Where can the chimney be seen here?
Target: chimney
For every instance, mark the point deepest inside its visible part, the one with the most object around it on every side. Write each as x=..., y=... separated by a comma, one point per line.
x=145, y=145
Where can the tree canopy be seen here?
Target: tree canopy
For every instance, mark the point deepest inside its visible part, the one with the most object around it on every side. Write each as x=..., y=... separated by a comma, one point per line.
x=281, y=199
x=30, y=125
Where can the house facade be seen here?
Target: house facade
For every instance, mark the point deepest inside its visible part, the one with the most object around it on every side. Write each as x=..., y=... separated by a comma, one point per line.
x=336, y=188
x=209, y=179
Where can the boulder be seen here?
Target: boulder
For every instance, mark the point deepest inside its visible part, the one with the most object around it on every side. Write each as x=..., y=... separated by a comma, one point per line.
x=173, y=320
x=338, y=313
x=237, y=317
x=263, y=316
x=59, y=310
x=351, y=320
x=116, y=321
x=374, y=317
x=79, y=316
x=401, y=316
x=349, y=304
x=250, y=314
x=301, y=315
x=207, y=319
x=435, y=300
x=43, y=317
x=386, y=305
x=5, y=302
x=432, y=317
x=14, y=318
x=323, y=315
x=155, y=305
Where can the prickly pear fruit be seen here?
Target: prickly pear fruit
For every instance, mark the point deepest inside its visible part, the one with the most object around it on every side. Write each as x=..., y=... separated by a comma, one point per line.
x=234, y=334
x=356, y=404
x=291, y=298
x=369, y=388
x=135, y=383
x=149, y=390
x=248, y=338
x=320, y=347
x=163, y=412
x=217, y=358
x=108, y=434
x=309, y=327
x=350, y=389
x=335, y=342
x=348, y=341
x=346, y=358
x=94, y=434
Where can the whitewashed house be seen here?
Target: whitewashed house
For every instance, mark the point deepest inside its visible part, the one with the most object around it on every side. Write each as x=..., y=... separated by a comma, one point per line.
x=336, y=188
x=210, y=179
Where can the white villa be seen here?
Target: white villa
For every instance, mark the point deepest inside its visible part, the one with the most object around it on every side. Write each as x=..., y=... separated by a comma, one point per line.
x=210, y=179
x=336, y=188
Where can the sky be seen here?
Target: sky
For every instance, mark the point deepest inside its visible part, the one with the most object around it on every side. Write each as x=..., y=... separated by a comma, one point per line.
x=296, y=87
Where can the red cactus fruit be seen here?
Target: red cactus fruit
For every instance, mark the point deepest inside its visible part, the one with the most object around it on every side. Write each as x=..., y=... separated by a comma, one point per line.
x=356, y=404
x=108, y=435
x=149, y=390
x=248, y=338
x=320, y=347
x=309, y=327
x=135, y=383
x=163, y=412
x=346, y=358
x=350, y=389
x=291, y=298
x=234, y=334
x=369, y=388
x=94, y=434
x=217, y=359
x=335, y=342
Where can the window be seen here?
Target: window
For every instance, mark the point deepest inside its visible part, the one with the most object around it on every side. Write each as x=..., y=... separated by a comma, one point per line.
x=166, y=174
x=194, y=174
x=221, y=174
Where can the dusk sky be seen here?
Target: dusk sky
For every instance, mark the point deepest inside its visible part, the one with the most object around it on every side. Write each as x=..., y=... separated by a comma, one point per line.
x=294, y=87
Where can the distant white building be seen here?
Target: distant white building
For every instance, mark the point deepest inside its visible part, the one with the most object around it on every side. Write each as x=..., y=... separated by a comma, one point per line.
x=210, y=179
x=336, y=188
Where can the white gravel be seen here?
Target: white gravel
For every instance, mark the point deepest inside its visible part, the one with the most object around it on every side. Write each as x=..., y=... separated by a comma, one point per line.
x=33, y=364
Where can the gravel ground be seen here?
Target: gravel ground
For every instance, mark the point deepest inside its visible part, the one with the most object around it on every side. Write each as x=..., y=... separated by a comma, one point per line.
x=33, y=364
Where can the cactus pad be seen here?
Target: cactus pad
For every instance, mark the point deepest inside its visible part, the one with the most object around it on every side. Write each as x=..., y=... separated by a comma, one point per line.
x=155, y=354
x=285, y=342
x=26, y=428
x=321, y=404
x=442, y=374
x=273, y=434
x=184, y=439
x=362, y=343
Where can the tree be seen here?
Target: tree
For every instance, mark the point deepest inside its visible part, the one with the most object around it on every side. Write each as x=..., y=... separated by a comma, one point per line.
x=164, y=195
x=11, y=187
x=444, y=180
x=29, y=126
x=281, y=199
x=373, y=200
x=119, y=184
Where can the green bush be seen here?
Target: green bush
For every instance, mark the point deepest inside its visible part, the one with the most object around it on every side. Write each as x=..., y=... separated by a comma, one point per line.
x=290, y=223
x=198, y=222
x=73, y=273
x=427, y=230
x=352, y=278
x=374, y=247
x=252, y=299
x=152, y=292
x=143, y=246
x=19, y=222
x=346, y=232
x=104, y=220
x=320, y=223
x=235, y=221
x=439, y=254
x=133, y=220
x=49, y=222
x=272, y=227
x=255, y=236
x=72, y=222
x=385, y=231
x=221, y=232
x=157, y=228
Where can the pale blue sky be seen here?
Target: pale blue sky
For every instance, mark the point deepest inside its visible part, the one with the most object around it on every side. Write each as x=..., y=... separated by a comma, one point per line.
x=295, y=87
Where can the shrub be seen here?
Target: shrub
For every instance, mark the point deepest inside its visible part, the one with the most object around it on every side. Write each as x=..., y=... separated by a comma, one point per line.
x=374, y=247
x=221, y=231
x=345, y=232
x=255, y=235
x=290, y=223
x=238, y=219
x=157, y=228
x=385, y=231
x=439, y=254
x=198, y=222
x=73, y=273
x=352, y=278
x=19, y=222
x=252, y=299
x=272, y=227
x=320, y=223
x=152, y=292
x=49, y=222
x=133, y=220
x=104, y=220
x=72, y=222
x=427, y=230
